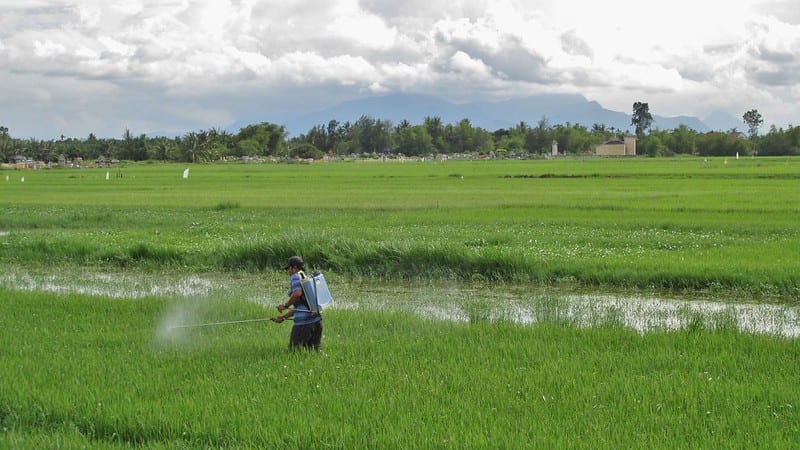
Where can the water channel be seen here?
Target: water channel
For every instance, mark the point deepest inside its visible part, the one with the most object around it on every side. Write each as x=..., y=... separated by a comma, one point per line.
x=440, y=301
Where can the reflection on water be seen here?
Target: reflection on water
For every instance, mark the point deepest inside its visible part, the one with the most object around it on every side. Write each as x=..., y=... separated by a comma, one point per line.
x=443, y=301
x=117, y=285
x=527, y=305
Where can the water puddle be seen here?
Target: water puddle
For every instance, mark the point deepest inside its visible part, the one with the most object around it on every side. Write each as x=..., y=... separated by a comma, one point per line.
x=117, y=285
x=441, y=301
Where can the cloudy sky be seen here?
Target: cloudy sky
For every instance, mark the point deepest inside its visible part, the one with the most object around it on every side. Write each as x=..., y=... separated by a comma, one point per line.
x=70, y=67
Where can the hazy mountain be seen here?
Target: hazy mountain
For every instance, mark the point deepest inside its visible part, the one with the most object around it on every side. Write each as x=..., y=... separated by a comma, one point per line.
x=555, y=108
x=722, y=121
x=670, y=123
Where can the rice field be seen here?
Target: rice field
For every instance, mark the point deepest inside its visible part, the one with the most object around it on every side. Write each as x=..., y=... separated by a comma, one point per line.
x=98, y=372
x=582, y=303
x=686, y=225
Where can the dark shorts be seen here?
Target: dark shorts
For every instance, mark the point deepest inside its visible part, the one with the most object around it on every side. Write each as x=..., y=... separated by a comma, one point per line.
x=306, y=336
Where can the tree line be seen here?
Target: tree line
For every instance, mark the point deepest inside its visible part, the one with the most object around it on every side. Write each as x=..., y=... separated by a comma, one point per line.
x=369, y=136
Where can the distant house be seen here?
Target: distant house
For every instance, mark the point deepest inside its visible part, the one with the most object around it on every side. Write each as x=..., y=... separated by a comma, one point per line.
x=23, y=162
x=737, y=135
x=617, y=147
x=104, y=162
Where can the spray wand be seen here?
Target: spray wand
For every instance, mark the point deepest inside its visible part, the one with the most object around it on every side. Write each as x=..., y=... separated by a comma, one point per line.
x=231, y=322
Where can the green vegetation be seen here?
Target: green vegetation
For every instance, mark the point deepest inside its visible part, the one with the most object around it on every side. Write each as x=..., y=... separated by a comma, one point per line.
x=721, y=225
x=100, y=368
x=94, y=372
x=369, y=137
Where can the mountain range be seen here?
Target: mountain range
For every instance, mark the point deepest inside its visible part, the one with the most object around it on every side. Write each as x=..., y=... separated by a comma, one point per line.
x=555, y=108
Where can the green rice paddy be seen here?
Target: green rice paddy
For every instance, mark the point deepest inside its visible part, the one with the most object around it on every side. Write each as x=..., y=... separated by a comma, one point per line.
x=684, y=224
x=455, y=324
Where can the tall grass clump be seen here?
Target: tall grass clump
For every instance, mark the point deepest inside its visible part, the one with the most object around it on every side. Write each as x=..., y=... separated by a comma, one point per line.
x=401, y=259
x=270, y=253
x=226, y=205
x=153, y=255
x=52, y=249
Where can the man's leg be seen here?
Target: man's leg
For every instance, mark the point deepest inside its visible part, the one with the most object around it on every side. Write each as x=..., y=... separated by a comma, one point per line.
x=315, y=339
x=300, y=335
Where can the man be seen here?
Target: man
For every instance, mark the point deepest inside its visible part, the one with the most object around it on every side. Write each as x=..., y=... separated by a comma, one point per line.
x=307, y=329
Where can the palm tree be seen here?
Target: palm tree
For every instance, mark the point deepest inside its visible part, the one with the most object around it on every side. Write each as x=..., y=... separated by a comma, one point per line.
x=195, y=145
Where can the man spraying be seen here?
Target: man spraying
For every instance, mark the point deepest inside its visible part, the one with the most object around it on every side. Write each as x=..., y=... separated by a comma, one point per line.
x=307, y=329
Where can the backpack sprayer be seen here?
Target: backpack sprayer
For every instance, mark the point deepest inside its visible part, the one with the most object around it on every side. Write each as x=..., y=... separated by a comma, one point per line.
x=315, y=290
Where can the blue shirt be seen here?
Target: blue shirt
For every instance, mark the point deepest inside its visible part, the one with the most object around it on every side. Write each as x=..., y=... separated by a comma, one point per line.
x=301, y=314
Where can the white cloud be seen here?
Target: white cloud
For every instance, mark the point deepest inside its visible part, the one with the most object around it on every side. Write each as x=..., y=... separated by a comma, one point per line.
x=47, y=49
x=361, y=28
x=683, y=56
x=463, y=63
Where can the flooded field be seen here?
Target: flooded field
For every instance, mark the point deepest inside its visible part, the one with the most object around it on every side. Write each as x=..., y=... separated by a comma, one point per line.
x=440, y=301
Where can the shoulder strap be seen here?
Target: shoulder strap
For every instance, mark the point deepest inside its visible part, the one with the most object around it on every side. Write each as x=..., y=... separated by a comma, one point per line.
x=303, y=298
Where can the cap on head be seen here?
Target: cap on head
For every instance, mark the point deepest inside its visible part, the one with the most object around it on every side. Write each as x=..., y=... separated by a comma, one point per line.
x=295, y=261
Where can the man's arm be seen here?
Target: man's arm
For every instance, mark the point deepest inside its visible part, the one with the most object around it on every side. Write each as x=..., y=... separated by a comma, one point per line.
x=294, y=298
x=282, y=317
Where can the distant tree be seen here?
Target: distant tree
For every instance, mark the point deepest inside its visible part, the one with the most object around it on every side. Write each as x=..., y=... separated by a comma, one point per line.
x=96, y=148
x=305, y=151
x=641, y=118
x=373, y=135
x=574, y=138
x=6, y=144
x=482, y=141
x=335, y=134
x=71, y=148
x=247, y=147
x=344, y=141
x=268, y=136
x=720, y=144
x=194, y=146
x=540, y=138
x=778, y=141
x=512, y=140
x=436, y=131
x=91, y=147
x=316, y=136
x=463, y=137
x=41, y=150
x=133, y=148
x=684, y=140
x=599, y=128
x=754, y=121
x=413, y=141
x=653, y=146
x=460, y=136
x=161, y=148
x=403, y=124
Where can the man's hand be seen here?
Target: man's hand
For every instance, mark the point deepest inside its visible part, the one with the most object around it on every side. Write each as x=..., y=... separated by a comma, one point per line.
x=281, y=307
x=278, y=319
